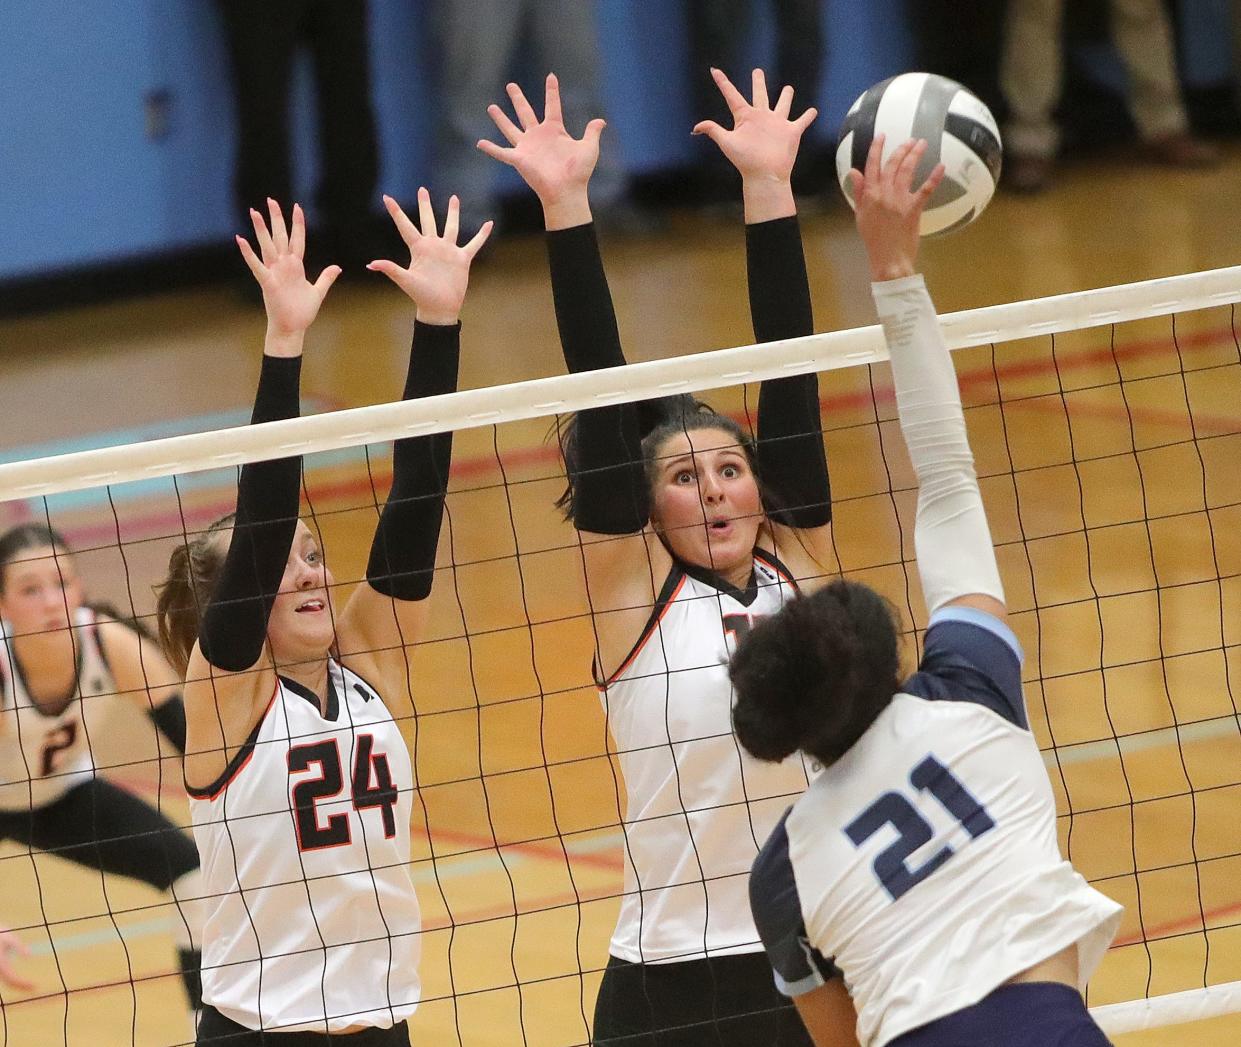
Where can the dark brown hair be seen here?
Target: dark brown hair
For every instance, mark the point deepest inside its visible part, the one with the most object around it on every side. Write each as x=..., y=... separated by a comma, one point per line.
x=193, y=569
x=23, y=537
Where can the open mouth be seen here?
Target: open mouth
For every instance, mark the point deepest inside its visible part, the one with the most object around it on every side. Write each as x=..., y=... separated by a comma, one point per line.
x=720, y=526
x=313, y=606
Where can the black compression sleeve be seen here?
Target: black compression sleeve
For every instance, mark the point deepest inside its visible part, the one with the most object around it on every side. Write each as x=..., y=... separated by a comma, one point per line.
x=234, y=625
x=609, y=484
x=402, y=561
x=791, y=459
x=170, y=719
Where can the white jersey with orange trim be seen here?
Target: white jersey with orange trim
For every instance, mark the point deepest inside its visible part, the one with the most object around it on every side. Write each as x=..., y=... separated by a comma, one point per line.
x=44, y=754
x=699, y=806
x=311, y=918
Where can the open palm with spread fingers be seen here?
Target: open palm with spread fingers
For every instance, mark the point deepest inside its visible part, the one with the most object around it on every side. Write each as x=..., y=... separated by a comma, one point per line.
x=889, y=208
x=763, y=141
x=291, y=300
x=554, y=163
x=439, y=269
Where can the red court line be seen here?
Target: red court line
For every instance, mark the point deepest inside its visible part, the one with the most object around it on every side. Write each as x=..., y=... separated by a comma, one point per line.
x=170, y=522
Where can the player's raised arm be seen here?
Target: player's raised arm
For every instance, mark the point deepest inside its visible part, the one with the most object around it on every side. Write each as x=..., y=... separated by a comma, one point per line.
x=763, y=144
x=227, y=687
x=956, y=560
x=389, y=612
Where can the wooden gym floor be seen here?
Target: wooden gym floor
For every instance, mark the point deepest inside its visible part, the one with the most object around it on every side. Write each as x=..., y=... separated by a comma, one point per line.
x=1129, y=554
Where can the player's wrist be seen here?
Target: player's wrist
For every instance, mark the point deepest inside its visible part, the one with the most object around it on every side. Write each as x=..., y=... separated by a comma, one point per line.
x=283, y=343
x=767, y=197
x=567, y=211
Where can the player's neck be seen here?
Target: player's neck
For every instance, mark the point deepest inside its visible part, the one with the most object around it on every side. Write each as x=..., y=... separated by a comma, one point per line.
x=312, y=675
x=48, y=662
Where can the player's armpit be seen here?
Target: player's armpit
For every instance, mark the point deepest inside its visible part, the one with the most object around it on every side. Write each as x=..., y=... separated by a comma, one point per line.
x=829, y=1015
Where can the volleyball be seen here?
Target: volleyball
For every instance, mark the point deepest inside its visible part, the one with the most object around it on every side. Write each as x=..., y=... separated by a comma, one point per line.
x=960, y=132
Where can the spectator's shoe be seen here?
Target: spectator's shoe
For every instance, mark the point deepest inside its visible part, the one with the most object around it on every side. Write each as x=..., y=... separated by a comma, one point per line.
x=1182, y=149
x=1027, y=174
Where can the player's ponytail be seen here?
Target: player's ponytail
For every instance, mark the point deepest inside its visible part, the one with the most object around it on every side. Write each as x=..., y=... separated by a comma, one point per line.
x=814, y=676
x=193, y=569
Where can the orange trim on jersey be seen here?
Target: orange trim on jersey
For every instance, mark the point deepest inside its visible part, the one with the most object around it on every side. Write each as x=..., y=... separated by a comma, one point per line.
x=237, y=764
x=657, y=615
x=770, y=560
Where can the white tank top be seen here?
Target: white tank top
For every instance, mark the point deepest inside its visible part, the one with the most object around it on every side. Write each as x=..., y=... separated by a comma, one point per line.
x=311, y=918
x=698, y=806
x=44, y=755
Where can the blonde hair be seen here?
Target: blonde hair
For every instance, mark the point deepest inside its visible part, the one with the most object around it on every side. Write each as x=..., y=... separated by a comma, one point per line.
x=193, y=570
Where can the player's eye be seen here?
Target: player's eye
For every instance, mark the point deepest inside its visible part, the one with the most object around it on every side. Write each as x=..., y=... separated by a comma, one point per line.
x=731, y=472
x=685, y=476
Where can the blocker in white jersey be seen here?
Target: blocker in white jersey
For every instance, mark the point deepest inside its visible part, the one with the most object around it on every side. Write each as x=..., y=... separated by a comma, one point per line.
x=312, y=922
x=698, y=805
x=923, y=865
x=45, y=753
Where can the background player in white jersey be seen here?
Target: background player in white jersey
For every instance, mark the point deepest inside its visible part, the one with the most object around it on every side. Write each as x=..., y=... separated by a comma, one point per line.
x=916, y=892
x=300, y=781
x=690, y=532
x=57, y=653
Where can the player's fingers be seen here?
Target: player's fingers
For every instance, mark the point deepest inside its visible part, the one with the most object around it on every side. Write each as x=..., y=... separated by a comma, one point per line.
x=858, y=181
x=732, y=97
x=784, y=104
x=927, y=189
x=279, y=233
x=711, y=129
x=326, y=279
x=892, y=165
x=262, y=236
x=552, y=111
x=426, y=213
x=251, y=259
x=390, y=269
x=594, y=130
x=874, y=158
x=806, y=119
x=904, y=176
x=297, y=237
x=407, y=229
x=758, y=90
x=452, y=220
x=521, y=106
x=496, y=152
x=476, y=242
x=507, y=128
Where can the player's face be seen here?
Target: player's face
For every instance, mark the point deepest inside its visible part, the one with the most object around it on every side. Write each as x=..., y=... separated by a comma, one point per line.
x=40, y=590
x=706, y=503
x=302, y=623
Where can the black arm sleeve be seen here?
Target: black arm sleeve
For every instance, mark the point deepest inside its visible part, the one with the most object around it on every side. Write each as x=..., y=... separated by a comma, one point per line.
x=234, y=625
x=791, y=460
x=609, y=484
x=402, y=560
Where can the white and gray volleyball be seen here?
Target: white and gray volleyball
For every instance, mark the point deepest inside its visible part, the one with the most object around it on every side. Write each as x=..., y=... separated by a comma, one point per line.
x=960, y=132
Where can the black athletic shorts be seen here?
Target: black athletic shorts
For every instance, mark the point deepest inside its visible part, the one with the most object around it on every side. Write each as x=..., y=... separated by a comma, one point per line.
x=100, y=825
x=718, y=1001
x=214, y=1030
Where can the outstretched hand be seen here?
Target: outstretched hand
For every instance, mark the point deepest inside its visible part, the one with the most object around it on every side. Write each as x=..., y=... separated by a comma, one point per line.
x=763, y=141
x=889, y=209
x=439, y=270
x=291, y=300
x=10, y=946
x=553, y=163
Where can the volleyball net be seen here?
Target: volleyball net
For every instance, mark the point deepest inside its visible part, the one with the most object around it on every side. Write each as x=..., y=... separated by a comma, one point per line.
x=1107, y=436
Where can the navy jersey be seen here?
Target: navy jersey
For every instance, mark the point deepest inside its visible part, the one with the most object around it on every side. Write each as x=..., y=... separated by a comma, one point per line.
x=923, y=866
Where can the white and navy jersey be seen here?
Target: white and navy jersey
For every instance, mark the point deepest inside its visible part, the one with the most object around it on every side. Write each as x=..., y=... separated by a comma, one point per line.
x=924, y=863
x=45, y=752
x=698, y=805
x=311, y=918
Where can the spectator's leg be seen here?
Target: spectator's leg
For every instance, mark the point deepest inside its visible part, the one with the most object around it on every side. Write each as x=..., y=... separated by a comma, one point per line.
x=800, y=53
x=261, y=38
x=566, y=42
x=341, y=48
x=717, y=30
x=476, y=42
x=1031, y=72
x=1143, y=35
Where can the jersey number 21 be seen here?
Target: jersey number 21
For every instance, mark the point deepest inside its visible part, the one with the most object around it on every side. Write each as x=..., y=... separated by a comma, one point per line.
x=892, y=808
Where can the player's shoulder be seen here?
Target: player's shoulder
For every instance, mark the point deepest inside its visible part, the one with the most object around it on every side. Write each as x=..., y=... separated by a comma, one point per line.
x=974, y=657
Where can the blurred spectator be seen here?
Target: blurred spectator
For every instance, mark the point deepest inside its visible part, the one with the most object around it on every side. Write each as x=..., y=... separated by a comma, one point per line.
x=959, y=39
x=1031, y=73
x=718, y=32
x=263, y=37
x=479, y=44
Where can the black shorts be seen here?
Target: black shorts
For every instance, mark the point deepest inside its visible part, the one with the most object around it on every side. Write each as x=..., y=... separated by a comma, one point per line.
x=1028, y=1014
x=101, y=826
x=717, y=1001
x=214, y=1030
